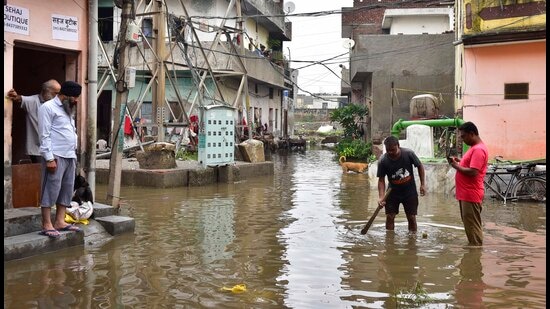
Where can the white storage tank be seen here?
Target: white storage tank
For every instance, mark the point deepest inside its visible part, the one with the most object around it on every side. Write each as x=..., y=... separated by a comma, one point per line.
x=424, y=106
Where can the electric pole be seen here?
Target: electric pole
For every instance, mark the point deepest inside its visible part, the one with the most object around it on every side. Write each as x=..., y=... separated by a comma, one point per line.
x=115, y=163
x=91, y=117
x=246, y=97
x=159, y=88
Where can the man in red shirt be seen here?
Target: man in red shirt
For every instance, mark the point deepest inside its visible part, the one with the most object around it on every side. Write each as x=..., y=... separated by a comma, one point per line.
x=470, y=171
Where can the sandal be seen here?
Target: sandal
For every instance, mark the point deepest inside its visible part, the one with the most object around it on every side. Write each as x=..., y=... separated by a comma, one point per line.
x=70, y=227
x=50, y=233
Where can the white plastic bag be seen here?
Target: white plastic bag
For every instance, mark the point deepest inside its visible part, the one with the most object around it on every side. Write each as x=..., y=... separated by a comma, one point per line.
x=80, y=212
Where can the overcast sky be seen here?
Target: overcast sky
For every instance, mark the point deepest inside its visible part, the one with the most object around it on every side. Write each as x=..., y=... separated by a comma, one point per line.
x=315, y=39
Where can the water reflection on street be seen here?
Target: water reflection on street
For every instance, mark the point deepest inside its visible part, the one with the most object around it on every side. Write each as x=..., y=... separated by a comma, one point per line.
x=293, y=239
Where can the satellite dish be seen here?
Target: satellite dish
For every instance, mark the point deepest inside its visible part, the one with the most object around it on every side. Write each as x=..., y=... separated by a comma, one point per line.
x=289, y=7
x=348, y=43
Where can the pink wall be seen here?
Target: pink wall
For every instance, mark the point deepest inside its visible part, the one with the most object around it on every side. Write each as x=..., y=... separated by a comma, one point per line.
x=514, y=129
x=37, y=15
x=40, y=35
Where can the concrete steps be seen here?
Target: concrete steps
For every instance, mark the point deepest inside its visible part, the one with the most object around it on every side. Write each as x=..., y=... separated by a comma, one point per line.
x=25, y=245
x=22, y=225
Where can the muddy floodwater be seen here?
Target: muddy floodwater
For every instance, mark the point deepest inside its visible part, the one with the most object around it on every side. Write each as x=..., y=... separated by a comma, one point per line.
x=291, y=240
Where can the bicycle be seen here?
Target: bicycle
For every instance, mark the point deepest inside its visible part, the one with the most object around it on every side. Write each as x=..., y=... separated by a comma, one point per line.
x=520, y=181
x=531, y=186
x=445, y=142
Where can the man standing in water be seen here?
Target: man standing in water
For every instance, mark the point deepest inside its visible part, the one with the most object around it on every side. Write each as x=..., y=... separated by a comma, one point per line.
x=58, y=141
x=470, y=171
x=397, y=164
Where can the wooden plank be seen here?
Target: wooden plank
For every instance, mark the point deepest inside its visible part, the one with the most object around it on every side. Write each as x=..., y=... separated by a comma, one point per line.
x=27, y=183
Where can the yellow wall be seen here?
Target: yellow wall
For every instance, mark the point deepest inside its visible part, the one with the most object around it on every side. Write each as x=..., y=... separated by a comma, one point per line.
x=256, y=32
x=481, y=25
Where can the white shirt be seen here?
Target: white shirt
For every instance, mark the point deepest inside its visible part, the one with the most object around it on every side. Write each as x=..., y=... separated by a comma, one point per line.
x=57, y=131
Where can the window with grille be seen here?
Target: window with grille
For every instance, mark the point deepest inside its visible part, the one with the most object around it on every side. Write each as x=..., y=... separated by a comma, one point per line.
x=518, y=91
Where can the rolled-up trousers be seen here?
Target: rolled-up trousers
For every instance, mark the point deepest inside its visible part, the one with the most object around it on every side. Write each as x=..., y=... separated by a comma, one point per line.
x=471, y=218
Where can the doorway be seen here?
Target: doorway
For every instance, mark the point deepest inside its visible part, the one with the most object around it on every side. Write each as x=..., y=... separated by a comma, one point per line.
x=104, y=107
x=32, y=66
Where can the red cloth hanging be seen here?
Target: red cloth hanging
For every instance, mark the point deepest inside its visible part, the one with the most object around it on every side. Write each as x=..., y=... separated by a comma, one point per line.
x=128, y=126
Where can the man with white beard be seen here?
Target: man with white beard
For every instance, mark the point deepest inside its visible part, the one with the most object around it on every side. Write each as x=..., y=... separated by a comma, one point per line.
x=58, y=142
x=31, y=104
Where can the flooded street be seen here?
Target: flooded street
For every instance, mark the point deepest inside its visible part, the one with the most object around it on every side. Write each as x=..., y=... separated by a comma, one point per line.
x=293, y=239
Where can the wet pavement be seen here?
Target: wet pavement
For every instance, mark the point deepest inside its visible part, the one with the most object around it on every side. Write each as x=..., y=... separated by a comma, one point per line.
x=293, y=241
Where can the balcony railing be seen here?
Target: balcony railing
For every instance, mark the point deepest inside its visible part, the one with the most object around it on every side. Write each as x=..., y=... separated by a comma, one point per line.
x=269, y=70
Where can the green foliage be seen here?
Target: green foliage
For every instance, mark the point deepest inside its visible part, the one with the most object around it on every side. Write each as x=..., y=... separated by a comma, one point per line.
x=277, y=55
x=184, y=154
x=355, y=149
x=350, y=146
x=273, y=43
x=349, y=117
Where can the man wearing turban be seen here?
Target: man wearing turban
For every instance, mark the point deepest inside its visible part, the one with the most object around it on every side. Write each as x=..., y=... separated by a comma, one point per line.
x=58, y=142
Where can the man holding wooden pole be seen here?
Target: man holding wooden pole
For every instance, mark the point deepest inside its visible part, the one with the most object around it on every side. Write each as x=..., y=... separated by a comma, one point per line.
x=397, y=164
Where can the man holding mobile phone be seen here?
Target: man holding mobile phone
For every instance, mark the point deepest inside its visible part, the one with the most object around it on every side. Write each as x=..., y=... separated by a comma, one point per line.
x=470, y=171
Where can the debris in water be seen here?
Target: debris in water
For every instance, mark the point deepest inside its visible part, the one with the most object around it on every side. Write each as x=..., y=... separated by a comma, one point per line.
x=239, y=288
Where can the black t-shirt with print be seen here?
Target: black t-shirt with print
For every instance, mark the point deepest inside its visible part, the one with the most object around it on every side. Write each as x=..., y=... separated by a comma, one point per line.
x=400, y=172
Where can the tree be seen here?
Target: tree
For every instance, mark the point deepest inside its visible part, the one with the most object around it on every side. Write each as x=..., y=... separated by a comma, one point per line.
x=351, y=146
x=350, y=117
